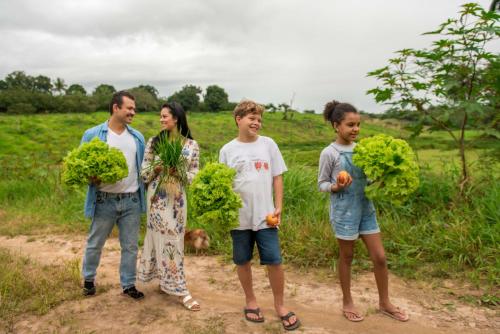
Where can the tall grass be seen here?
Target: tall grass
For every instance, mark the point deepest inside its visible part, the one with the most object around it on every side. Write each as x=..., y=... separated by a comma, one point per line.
x=35, y=200
x=441, y=234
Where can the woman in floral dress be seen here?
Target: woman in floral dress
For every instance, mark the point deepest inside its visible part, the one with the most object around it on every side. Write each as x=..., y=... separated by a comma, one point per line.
x=163, y=253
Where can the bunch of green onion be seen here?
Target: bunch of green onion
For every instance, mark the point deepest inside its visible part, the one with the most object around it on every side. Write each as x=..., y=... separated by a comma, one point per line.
x=169, y=151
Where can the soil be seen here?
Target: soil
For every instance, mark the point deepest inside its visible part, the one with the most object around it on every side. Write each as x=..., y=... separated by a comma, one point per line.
x=314, y=295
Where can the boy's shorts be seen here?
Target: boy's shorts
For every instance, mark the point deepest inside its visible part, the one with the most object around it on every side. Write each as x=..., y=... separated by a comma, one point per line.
x=267, y=241
x=351, y=218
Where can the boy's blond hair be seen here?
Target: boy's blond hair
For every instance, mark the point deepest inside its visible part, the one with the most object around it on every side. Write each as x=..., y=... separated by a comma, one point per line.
x=246, y=107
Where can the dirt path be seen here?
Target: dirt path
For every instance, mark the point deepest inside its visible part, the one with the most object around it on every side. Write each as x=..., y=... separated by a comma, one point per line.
x=314, y=296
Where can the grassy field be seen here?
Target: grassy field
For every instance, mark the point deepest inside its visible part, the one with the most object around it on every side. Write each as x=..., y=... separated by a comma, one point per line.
x=436, y=234
x=27, y=286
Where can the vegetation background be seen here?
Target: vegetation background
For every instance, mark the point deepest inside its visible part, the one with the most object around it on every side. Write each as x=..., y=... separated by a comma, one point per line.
x=444, y=231
x=436, y=234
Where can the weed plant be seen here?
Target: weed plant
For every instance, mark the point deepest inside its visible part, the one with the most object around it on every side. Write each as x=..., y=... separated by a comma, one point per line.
x=26, y=286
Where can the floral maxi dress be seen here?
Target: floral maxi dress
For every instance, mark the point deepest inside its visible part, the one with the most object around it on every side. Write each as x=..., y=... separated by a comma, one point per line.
x=163, y=253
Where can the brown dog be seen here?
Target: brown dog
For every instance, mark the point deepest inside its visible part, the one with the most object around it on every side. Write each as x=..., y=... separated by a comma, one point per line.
x=197, y=239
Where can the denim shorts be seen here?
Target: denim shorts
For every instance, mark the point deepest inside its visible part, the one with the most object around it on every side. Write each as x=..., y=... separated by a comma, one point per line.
x=352, y=216
x=268, y=245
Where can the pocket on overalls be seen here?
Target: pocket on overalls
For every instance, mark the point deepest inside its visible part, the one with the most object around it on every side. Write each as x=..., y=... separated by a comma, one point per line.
x=341, y=209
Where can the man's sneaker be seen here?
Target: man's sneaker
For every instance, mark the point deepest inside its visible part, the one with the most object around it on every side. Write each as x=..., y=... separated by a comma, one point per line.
x=133, y=293
x=88, y=288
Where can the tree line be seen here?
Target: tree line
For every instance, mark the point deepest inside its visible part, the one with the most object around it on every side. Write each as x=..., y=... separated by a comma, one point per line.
x=21, y=93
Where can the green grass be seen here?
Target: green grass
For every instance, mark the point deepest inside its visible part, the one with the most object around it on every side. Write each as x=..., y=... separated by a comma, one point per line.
x=437, y=234
x=212, y=325
x=26, y=286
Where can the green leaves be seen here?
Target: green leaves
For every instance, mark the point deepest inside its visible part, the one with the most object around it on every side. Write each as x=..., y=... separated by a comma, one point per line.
x=378, y=72
x=169, y=150
x=381, y=95
x=213, y=200
x=450, y=70
x=453, y=83
x=391, y=166
x=94, y=158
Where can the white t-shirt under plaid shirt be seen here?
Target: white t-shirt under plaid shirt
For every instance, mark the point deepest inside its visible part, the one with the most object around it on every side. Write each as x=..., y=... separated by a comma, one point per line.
x=256, y=164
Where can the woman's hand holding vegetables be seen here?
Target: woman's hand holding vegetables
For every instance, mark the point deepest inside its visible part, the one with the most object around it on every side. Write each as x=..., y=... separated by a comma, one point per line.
x=172, y=171
x=158, y=169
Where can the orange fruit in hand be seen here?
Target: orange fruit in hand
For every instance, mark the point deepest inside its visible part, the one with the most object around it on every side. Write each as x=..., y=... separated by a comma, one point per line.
x=271, y=220
x=343, y=177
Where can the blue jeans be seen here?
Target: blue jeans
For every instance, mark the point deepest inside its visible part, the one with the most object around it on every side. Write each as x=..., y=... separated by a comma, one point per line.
x=124, y=210
x=267, y=241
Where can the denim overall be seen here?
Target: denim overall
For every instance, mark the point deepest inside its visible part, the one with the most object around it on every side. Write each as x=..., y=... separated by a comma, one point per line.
x=351, y=213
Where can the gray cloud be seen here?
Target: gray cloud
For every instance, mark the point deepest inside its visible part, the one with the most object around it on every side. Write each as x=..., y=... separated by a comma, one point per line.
x=265, y=50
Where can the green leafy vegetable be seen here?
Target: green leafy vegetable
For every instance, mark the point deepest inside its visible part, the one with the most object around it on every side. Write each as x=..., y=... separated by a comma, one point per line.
x=95, y=159
x=169, y=151
x=213, y=200
x=391, y=166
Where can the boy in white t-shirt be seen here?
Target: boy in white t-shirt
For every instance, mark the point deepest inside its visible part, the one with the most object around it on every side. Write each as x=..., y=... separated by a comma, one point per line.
x=259, y=167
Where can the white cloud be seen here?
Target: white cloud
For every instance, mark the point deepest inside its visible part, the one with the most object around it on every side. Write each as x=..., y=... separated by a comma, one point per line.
x=265, y=50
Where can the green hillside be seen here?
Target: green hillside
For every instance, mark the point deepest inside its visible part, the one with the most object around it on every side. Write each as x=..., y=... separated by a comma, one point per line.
x=436, y=234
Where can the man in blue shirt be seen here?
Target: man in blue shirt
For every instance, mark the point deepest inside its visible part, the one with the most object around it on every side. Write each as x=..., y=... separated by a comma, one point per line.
x=120, y=203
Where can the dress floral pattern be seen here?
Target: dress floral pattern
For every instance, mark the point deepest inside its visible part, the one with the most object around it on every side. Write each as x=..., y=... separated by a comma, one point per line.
x=163, y=253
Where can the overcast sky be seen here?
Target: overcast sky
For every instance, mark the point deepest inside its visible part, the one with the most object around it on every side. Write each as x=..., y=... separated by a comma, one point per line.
x=264, y=50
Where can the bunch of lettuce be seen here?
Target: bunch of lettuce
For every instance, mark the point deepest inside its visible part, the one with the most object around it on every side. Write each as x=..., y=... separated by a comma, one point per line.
x=390, y=165
x=213, y=201
x=94, y=159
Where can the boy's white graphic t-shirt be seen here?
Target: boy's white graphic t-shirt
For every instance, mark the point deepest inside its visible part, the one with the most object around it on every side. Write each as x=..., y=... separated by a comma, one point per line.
x=256, y=164
x=124, y=142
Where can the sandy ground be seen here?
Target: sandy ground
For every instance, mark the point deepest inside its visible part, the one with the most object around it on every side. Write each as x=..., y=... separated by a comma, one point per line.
x=315, y=297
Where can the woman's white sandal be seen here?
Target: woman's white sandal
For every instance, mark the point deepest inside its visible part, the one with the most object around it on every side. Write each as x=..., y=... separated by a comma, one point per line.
x=190, y=303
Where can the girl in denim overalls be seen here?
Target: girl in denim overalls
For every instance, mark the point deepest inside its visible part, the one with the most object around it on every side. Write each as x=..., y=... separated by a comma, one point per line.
x=352, y=215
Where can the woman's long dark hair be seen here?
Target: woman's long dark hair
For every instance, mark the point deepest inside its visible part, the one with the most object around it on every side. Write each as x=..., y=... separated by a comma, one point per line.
x=179, y=114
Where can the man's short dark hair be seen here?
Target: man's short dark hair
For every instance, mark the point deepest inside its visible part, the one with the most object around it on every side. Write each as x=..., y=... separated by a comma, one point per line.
x=118, y=99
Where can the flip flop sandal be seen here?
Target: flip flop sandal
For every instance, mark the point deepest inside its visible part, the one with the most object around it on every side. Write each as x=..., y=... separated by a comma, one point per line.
x=355, y=316
x=394, y=315
x=190, y=303
x=290, y=327
x=256, y=311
